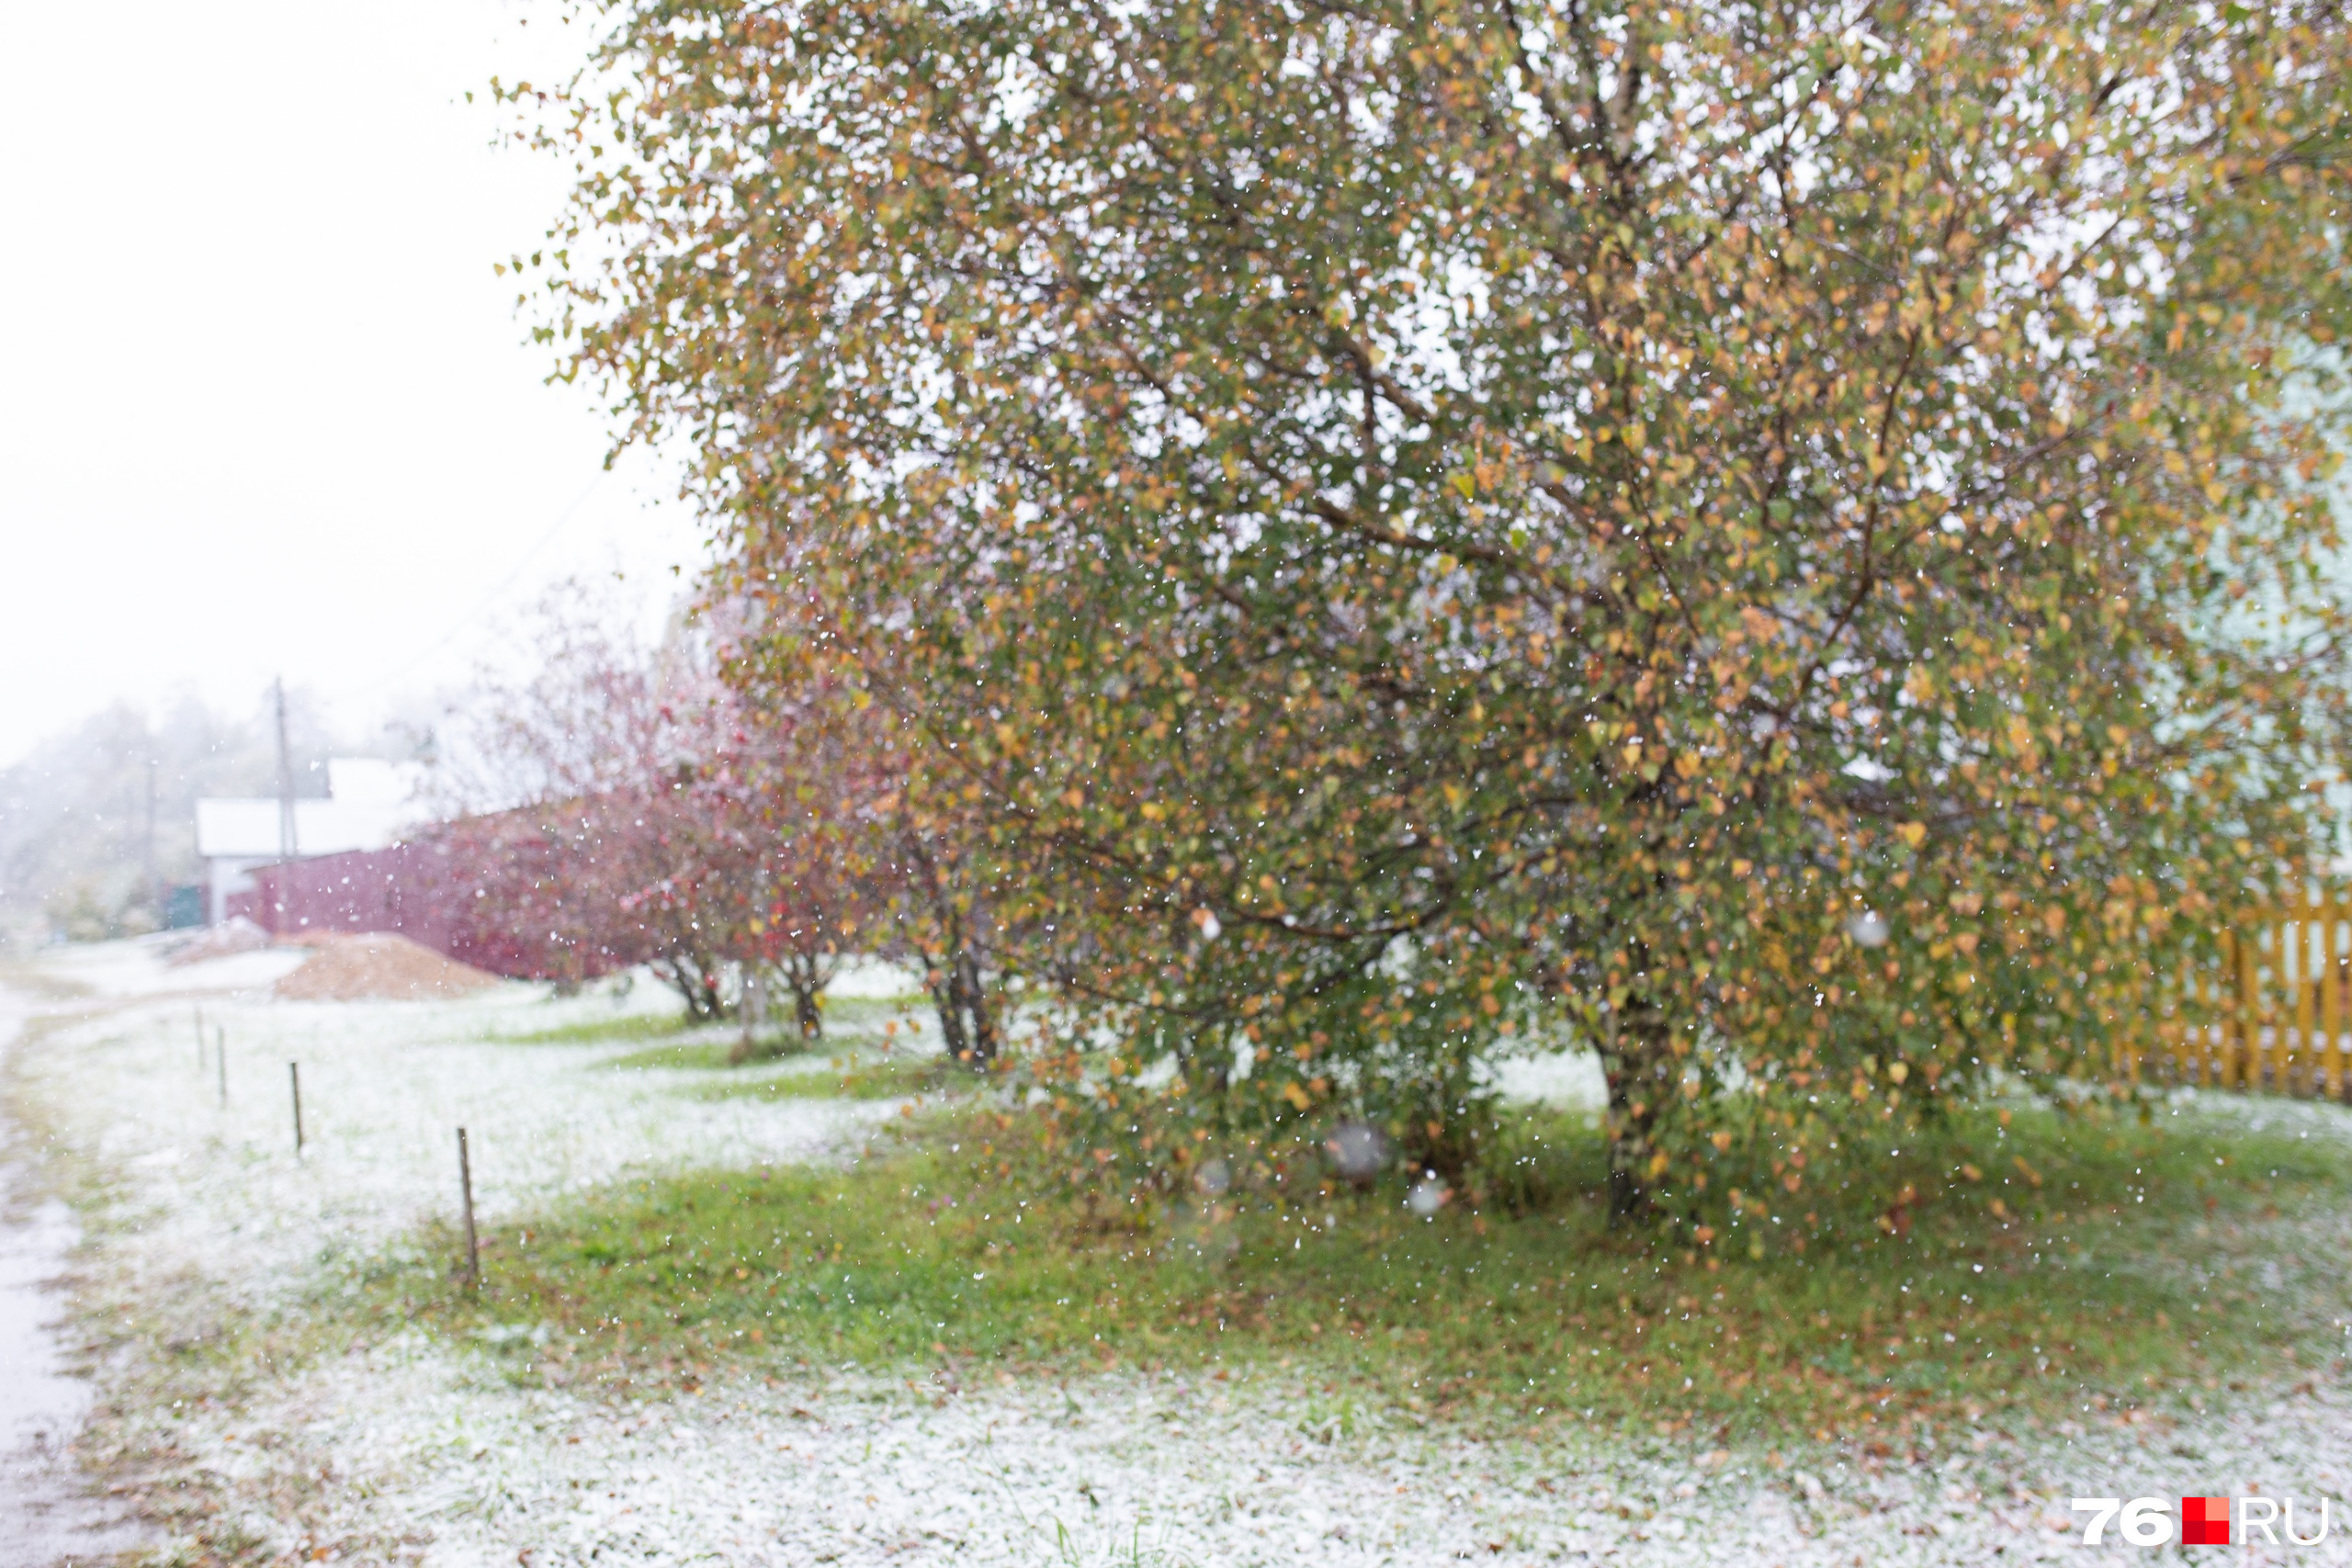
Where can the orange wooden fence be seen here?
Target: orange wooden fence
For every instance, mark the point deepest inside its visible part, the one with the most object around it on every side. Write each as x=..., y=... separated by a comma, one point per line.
x=2271, y=1015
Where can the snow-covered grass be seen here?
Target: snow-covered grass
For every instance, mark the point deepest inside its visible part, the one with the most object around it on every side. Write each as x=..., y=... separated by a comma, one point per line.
x=384, y=1088
x=260, y=1425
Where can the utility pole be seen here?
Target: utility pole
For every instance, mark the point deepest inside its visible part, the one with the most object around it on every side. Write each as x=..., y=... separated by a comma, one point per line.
x=154, y=876
x=287, y=846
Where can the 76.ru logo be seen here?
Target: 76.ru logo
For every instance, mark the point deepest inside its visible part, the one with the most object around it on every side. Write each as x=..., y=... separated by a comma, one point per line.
x=2204, y=1521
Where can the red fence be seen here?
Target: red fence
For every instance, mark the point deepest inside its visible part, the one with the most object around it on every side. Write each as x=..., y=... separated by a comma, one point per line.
x=424, y=892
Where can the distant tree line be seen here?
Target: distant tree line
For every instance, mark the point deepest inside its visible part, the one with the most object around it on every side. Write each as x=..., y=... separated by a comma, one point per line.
x=98, y=824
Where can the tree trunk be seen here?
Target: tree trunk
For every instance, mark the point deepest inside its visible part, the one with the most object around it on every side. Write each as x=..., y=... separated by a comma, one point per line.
x=713, y=998
x=755, y=1008
x=975, y=998
x=696, y=982
x=967, y=1025
x=951, y=1016
x=807, y=975
x=1636, y=1065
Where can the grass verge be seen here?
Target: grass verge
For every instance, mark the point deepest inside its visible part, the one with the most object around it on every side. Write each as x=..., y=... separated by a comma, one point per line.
x=675, y=1041
x=616, y=1031
x=2102, y=1265
x=687, y=1056
x=890, y=1077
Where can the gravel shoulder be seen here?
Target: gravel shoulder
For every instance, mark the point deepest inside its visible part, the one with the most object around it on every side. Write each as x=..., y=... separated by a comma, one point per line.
x=250, y=1425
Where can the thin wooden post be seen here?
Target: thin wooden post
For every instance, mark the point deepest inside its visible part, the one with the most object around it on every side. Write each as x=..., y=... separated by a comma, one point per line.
x=465, y=1191
x=2193, y=1026
x=2197, y=1038
x=2209, y=1039
x=200, y=1040
x=2250, y=1010
x=220, y=1059
x=2280, y=999
x=2197, y=1060
x=2225, y=987
x=2172, y=1037
x=2342, y=964
x=2257, y=1053
x=2332, y=979
x=2217, y=990
x=294, y=1076
x=2308, y=1078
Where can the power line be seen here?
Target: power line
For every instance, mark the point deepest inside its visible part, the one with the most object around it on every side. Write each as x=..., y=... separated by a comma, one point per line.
x=473, y=614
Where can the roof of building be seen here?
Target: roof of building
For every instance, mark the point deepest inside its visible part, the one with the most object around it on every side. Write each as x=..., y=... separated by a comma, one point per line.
x=367, y=804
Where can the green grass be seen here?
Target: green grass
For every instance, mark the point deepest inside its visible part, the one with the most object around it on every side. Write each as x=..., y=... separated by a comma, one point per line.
x=2121, y=1260
x=687, y=1056
x=894, y=1078
x=616, y=1030
x=793, y=1074
x=863, y=1015
x=847, y=1022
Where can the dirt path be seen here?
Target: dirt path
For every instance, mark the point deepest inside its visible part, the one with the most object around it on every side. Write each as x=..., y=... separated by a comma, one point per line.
x=52, y=1517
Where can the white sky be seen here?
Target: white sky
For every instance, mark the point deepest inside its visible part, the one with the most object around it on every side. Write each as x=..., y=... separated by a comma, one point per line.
x=263, y=405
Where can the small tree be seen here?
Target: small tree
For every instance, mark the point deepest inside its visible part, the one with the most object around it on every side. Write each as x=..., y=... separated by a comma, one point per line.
x=874, y=851
x=578, y=790
x=520, y=892
x=668, y=819
x=792, y=879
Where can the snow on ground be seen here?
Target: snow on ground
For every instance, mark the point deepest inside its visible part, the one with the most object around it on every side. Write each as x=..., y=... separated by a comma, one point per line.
x=384, y=1088
x=50, y=1512
x=139, y=969
x=1125, y=1468
x=1569, y=1080
x=418, y=1451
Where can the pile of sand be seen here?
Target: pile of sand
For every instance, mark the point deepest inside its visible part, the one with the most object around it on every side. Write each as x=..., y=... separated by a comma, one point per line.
x=380, y=965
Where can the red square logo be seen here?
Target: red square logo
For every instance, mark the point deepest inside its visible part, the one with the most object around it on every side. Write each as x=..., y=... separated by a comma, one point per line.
x=2204, y=1521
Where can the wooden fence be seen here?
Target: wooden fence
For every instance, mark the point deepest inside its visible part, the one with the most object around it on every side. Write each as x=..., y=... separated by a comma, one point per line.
x=2270, y=1015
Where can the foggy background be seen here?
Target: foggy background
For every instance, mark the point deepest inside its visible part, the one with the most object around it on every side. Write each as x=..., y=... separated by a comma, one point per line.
x=270, y=411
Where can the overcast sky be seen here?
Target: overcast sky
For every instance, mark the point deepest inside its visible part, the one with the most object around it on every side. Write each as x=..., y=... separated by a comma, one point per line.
x=264, y=404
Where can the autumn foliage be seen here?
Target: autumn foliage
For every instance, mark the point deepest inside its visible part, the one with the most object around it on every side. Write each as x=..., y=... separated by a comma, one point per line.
x=616, y=806
x=1784, y=543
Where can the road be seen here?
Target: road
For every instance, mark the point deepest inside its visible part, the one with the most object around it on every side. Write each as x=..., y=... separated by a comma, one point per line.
x=52, y=1517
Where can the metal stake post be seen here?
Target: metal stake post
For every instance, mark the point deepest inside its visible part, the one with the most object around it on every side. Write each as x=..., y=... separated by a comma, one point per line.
x=294, y=1072
x=466, y=1188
